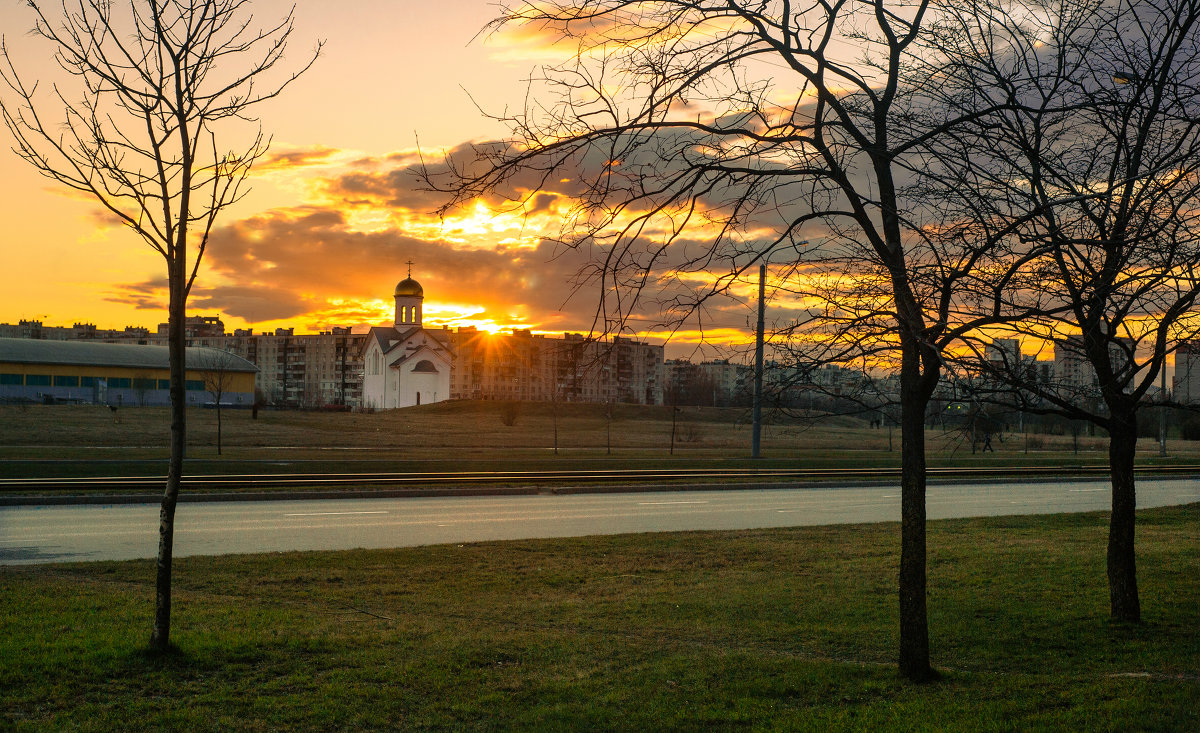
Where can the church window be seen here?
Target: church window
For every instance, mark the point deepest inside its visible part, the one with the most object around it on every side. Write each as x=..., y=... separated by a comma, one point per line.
x=425, y=366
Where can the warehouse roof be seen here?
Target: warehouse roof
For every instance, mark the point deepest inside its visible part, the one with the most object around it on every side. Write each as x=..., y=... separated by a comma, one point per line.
x=87, y=353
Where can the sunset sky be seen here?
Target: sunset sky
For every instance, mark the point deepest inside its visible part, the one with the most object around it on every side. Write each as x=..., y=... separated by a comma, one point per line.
x=334, y=213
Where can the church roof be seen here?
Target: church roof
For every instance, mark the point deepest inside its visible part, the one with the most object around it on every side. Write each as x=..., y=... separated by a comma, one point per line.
x=389, y=338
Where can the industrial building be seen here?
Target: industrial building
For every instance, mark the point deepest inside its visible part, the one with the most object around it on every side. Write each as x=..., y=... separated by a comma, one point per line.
x=33, y=370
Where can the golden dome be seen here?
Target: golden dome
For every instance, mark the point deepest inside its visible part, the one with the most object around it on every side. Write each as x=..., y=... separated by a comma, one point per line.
x=409, y=287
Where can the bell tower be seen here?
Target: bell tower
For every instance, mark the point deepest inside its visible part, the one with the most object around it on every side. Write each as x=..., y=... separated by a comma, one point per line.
x=409, y=296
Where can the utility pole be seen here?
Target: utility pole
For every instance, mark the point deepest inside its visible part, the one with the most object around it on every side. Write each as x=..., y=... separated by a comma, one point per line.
x=1162, y=411
x=756, y=439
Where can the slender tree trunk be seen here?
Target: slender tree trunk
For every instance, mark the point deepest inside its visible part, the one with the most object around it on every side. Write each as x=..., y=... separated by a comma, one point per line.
x=218, y=425
x=914, y=627
x=1122, y=563
x=608, y=429
x=674, y=412
x=160, y=637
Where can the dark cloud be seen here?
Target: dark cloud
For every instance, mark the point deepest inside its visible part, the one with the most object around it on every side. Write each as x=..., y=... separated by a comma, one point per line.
x=146, y=295
x=252, y=303
x=295, y=158
x=259, y=302
x=541, y=202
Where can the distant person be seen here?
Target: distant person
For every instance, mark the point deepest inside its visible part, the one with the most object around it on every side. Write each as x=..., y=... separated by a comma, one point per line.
x=987, y=443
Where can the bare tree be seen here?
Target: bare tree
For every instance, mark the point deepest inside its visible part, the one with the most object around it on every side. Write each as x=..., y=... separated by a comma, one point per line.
x=217, y=371
x=1094, y=166
x=142, y=383
x=145, y=88
x=696, y=138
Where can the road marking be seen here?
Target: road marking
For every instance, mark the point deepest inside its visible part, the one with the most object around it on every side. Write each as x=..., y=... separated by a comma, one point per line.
x=1084, y=491
x=658, y=503
x=840, y=507
x=328, y=514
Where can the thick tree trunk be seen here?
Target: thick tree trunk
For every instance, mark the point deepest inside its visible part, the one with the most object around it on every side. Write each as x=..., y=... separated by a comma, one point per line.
x=160, y=637
x=914, y=627
x=1122, y=563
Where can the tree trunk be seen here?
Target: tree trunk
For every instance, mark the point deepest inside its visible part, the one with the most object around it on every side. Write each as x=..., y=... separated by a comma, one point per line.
x=160, y=637
x=915, y=391
x=914, y=627
x=1122, y=563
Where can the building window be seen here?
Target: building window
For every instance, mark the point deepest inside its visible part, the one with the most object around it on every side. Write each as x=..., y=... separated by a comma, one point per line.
x=142, y=383
x=164, y=384
x=17, y=379
x=119, y=382
x=37, y=380
x=65, y=381
x=194, y=385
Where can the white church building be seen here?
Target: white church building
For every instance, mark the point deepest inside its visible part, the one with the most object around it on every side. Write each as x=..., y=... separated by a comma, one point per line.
x=405, y=365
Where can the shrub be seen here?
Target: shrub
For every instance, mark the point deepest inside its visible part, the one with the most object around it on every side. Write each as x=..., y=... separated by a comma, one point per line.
x=509, y=411
x=1189, y=429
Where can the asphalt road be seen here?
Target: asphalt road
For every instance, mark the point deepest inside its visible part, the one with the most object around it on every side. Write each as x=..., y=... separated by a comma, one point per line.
x=38, y=534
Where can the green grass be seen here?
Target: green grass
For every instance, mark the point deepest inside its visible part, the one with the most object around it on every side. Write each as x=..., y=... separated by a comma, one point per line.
x=791, y=629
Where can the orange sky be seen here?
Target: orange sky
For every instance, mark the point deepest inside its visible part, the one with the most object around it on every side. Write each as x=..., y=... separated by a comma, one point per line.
x=323, y=236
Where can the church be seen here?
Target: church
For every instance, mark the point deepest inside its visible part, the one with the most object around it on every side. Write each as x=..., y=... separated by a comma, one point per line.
x=406, y=365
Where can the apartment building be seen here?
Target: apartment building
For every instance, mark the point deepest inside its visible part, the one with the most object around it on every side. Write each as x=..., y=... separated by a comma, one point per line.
x=522, y=365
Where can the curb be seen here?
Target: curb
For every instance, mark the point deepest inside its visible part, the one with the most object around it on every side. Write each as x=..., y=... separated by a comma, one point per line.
x=291, y=495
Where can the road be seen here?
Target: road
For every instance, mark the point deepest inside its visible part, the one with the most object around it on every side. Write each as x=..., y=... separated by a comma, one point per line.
x=38, y=534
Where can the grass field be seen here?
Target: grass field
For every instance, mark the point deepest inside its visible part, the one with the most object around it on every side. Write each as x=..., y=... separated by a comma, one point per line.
x=473, y=436
x=791, y=629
